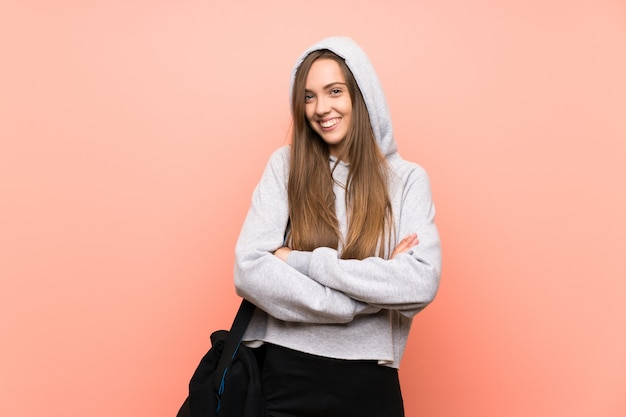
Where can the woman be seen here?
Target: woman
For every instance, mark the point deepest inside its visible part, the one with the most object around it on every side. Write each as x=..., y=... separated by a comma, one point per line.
x=329, y=250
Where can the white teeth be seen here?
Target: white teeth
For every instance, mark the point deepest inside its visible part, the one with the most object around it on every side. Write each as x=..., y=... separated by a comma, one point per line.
x=329, y=123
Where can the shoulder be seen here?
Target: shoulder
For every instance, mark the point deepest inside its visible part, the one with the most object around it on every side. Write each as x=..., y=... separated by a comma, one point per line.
x=280, y=157
x=407, y=171
x=277, y=167
x=410, y=187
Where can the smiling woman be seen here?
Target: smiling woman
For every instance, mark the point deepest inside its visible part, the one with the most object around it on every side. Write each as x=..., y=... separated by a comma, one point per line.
x=329, y=251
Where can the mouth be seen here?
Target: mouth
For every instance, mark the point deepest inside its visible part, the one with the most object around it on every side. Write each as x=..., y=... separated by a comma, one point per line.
x=329, y=124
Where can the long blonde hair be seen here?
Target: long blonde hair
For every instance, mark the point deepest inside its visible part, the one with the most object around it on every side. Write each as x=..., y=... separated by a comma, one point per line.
x=312, y=218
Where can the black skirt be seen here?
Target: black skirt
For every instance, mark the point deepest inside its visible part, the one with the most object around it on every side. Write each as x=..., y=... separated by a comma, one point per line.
x=298, y=384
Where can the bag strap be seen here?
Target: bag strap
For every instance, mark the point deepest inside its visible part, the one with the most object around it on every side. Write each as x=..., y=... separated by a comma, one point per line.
x=238, y=328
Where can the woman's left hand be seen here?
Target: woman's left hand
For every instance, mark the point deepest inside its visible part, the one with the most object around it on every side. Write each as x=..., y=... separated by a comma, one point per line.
x=405, y=244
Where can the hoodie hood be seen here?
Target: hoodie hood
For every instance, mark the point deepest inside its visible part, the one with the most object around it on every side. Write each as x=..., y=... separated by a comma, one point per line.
x=368, y=83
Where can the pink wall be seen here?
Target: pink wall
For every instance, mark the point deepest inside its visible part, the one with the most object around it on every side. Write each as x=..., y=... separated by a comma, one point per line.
x=132, y=134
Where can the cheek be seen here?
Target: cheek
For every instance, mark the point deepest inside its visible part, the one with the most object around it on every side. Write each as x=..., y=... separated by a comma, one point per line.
x=309, y=112
x=349, y=105
x=346, y=107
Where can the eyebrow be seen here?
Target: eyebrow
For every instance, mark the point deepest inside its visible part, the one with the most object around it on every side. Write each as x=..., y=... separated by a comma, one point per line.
x=327, y=86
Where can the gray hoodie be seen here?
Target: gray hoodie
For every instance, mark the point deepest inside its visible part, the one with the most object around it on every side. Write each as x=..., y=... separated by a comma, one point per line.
x=317, y=302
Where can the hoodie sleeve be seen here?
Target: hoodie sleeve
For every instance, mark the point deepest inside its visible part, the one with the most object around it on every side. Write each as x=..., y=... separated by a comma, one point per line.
x=273, y=285
x=406, y=283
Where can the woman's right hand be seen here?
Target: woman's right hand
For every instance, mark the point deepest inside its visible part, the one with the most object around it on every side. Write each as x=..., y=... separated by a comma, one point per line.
x=282, y=253
x=405, y=244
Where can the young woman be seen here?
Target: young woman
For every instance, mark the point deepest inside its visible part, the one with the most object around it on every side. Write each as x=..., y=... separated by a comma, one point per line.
x=329, y=250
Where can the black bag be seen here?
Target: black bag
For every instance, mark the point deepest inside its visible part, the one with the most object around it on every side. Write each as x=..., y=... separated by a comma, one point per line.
x=227, y=382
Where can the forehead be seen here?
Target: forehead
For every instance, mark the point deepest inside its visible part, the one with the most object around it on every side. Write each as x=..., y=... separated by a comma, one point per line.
x=324, y=72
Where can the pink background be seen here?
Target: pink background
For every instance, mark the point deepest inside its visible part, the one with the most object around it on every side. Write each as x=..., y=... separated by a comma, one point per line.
x=133, y=132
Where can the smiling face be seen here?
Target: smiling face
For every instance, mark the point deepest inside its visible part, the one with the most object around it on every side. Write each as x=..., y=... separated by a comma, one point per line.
x=328, y=106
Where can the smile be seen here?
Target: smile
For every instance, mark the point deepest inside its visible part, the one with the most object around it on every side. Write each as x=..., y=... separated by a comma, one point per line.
x=329, y=123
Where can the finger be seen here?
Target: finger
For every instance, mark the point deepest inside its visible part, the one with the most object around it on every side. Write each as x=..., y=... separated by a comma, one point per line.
x=403, y=245
x=410, y=240
x=410, y=236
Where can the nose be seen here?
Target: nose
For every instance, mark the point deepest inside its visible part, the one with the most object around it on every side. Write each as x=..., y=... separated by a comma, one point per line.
x=322, y=106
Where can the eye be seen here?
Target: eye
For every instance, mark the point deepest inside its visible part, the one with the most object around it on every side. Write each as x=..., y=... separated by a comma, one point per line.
x=308, y=97
x=335, y=91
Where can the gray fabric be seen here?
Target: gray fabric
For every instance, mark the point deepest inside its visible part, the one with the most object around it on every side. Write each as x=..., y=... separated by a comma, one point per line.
x=316, y=302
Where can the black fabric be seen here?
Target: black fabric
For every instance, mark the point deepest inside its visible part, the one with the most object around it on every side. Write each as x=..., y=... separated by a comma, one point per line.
x=227, y=382
x=298, y=384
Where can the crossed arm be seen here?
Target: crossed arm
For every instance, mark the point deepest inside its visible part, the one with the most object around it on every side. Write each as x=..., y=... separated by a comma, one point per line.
x=403, y=246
